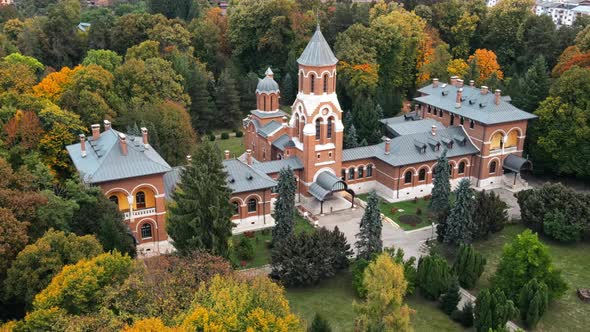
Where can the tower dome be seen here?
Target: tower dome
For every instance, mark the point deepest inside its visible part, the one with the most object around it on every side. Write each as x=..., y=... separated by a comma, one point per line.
x=267, y=93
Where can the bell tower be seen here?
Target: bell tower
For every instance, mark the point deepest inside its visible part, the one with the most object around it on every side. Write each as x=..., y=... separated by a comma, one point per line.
x=316, y=123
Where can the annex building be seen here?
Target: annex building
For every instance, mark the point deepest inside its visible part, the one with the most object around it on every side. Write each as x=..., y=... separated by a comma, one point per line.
x=482, y=132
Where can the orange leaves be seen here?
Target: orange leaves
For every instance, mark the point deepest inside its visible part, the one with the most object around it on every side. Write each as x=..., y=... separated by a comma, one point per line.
x=570, y=57
x=362, y=78
x=52, y=86
x=24, y=129
x=487, y=62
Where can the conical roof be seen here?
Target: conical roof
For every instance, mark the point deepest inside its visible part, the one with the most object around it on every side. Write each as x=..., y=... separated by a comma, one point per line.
x=317, y=52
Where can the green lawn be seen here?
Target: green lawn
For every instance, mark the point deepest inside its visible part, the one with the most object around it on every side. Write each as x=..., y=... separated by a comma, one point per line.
x=409, y=211
x=260, y=242
x=235, y=145
x=566, y=314
x=333, y=298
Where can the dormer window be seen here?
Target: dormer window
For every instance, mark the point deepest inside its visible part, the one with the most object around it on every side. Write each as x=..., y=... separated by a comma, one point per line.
x=423, y=150
x=450, y=145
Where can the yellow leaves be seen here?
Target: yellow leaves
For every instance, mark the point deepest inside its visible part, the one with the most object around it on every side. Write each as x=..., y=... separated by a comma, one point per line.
x=362, y=78
x=487, y=62
x=150, y=325
x=52, y=86
x=458, y=67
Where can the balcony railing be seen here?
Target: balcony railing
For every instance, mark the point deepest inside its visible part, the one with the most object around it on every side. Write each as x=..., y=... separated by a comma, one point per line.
x=139, y=213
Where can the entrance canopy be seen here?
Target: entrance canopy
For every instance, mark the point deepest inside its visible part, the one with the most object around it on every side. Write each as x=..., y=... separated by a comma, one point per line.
x=325, y=184
x=517, y=164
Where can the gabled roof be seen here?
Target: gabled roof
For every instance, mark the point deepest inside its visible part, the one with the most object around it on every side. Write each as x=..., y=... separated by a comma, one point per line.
x=404, y=125
x=281, y=142
x=270, y=114
x=105, y=161
x=242, y=178
x=317, y=52
x=274, y=166
x=475, y=105
x=405, y=150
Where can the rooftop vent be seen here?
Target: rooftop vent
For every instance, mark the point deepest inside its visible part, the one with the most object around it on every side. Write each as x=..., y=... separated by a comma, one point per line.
x=444, y=93
x=249, y=177
x=482, y=105
x=472, y=101
x=232, y=180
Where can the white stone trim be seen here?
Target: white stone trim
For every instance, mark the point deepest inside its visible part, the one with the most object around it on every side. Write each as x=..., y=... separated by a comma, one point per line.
x=329, y=162
x=324, y=147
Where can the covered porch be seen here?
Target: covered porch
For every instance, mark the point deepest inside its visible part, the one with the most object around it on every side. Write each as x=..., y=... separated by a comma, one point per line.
x=329, y=193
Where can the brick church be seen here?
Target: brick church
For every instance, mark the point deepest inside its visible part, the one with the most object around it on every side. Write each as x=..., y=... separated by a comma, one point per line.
x=482, y=132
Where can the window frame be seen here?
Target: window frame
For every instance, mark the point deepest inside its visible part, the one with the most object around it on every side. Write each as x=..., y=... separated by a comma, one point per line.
x=461, y=168
x=351, y=172
x=495, y=167
x=140, y=203
x=408, y=179
x=360, y=172
x=422, y=174
x=318, y=129
x=145, y=227
x=252, y=205
x=369, y=171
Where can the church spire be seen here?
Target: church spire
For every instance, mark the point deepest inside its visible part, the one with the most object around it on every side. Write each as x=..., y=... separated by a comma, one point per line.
x=317, y=53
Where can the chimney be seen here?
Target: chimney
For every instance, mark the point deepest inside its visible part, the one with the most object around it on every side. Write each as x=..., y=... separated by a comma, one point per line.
x=454, y=80
x=95, y=131
x=471, y=83
x=387, y=145
x=226, y=154
x=83, y=145
x=433, y=130
x=459, y=83
x=189, y=158
x=249, y=157
x=484, y=90
x=123, y=143
x=459, y=97
x=107, y=125
x=144, y=134
x=285, y=121
x=498, y=94
x=435, y=82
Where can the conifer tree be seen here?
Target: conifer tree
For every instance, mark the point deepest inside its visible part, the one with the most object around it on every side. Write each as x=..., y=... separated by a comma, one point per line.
x=319, y=324
x=450, y=299
x=469, y=266
x=489, y=214
x=533, y=302
x=350, y=138
x=227, y=100
x=459, y=228
x=439, y=203
x=534, y=85
x=366, y=119
x=200, y=215
x=248, y=85
x=433, y=276
x=198, y=90
x=493, y=310
x=288, y=90
x=284, y=212
x=369, y=237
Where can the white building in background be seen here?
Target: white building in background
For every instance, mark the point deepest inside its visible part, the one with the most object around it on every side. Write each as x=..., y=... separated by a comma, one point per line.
x=562, y=12
x=6, y=2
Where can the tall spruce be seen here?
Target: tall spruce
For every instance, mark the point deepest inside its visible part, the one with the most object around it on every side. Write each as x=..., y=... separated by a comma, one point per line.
x=288, y=90
x=369, y=237
x=433, y=276
x=284, y=212
x=450, y=299
x=198, y=89
x=200, y=216
x=469, y=266
x=460, y=228
x=248, y=85
x=366, y=119
x=532, y=302
x=351, y=139
x=535, y=86
x=439, y=203
x=493, y=310
x=227, y=100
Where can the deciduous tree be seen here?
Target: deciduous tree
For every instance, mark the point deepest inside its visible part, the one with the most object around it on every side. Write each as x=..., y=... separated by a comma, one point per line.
x=487, y=64
x=107, y=59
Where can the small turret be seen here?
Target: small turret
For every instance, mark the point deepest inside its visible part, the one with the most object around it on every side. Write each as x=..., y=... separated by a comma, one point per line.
x=267, y=93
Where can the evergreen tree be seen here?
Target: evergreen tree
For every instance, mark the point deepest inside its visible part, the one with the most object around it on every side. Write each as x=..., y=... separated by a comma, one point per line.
x=284, y=212
x=200, y=217
x=469, y=266
x=350, y=138
x=473, y=72
x=288, y=90
x=450, y=299
x=200, y=111
x=227, y=100
x=433, y=276
x=459, y=226
x=535, y=86
x=489, y=214
x=493, y=310
x=248, y=85
x=133, y=130
x=319, y=324
x=532, y=302
x=439, y=203
x=366, y=119
x=369, y=237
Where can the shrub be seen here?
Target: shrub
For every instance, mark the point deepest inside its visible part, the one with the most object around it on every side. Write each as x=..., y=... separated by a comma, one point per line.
x=433, y=276
x=208, y=132
x=427, y=197
x=469, y=266
x=451, y=298
x=249, y=234
x=244, y=249
x=239, y=133
x=224, y=136
x=418, y=211
x=489, y=214
x=358, y=268
x=319, y=324
x=211, y=137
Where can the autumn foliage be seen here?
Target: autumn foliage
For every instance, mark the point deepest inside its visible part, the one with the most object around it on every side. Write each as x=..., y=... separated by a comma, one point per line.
x=52, y=86
x=487, y=62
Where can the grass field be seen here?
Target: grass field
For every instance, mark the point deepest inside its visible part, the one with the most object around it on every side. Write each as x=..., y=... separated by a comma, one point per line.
x=260, y=242
x=409, y=209
x=333, y=298
x=235, y=145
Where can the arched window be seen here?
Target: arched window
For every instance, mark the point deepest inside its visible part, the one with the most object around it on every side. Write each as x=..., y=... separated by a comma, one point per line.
x=318, y=128
x=271, y=103
x=360, y=172
x=252, y=205
x=435, y=111
x=441, y=114
x=451, y=169
x=512, y=139
x=369, y=171
x=343, y=174
x=422, y=175
x=312, y=83
x=264, y=103
x=325, y=83
x=461, y=168
x=452, y=119
x=114, y=199
x=351, y=173
x=330, y=124
x=496, y=141
x=471, y=124
x=302, y=127
x=140, y=200
x=493, y=166
x=146, y=231
x=408, y=177
x=236, y=207
x=297, y=123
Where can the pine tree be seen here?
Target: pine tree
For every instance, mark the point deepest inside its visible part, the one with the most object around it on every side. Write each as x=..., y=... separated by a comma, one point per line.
x=469, y=266
x=319, y=324
x=439, y=203
x=433, y=276
x=533, y=302
x=366, y=119
x=493, y=310
x=288, y=90
x=369, y=237
x=198, y=89
x=227, y=100
x=350, y=138
x=451, y=297
x=535, y=86
x=489, y=214
x=200, y=217
x=284, y=212
x=459, y=226
x=248, y=85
